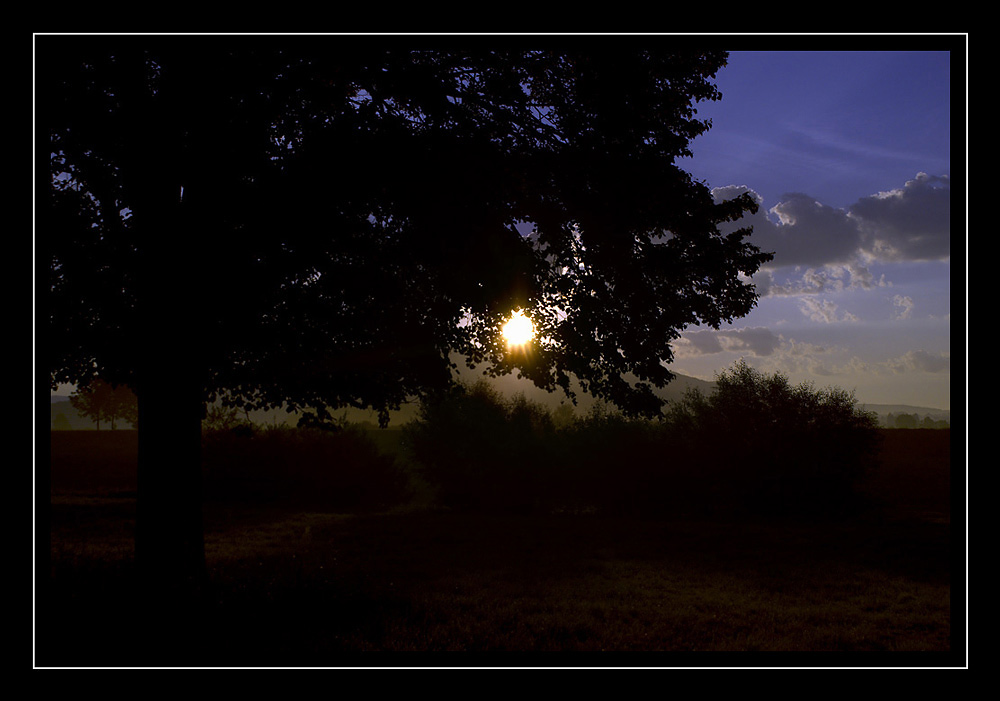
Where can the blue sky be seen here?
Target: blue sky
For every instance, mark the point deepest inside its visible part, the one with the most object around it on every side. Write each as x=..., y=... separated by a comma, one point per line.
x=849, y=154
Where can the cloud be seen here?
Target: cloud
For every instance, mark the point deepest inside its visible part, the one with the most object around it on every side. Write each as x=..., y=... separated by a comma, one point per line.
x=798, y=357
x=793, y=357
x=920, y=361
x=758, y=340
x=823, y=311
x=905, y=305
x=803, y=231
x=829, y=279
x=819, y=360
x=906, y=224
x=863, y=278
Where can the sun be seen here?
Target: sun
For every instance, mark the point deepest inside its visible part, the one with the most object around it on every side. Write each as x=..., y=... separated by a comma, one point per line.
x=518, y=330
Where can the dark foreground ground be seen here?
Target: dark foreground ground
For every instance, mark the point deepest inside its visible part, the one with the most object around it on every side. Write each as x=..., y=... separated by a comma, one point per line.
x=306, y=588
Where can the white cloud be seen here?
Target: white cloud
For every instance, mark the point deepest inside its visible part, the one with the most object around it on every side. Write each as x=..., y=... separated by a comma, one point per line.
x=823, y=310
x=828, y=279
x=797, y=357
x=905, y=305
x=863, y=278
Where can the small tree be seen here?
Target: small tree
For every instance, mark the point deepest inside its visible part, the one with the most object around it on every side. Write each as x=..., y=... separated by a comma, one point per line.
x=93, y=400
x=563, y=416
x=905, y=421
x=103, y=402
x=222, y=418
x=124, y=406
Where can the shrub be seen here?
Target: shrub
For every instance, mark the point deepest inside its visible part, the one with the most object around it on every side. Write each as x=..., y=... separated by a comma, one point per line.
x=759, y=444
x=611, y=463
x=483, y=452
x=311, y=468
x=223, y=418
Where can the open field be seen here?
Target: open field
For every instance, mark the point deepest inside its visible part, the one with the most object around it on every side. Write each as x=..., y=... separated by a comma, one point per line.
x=314, y=588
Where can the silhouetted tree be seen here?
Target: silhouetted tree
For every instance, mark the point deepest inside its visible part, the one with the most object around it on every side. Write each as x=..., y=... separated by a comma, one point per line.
x=93, y=401
x=103, y=402
x=906, y=421
x=222, y=418
x=563, y=416
x=124, y=406
x=766, y=445
x=323, y=221
x=480, y=450
x=85, y=401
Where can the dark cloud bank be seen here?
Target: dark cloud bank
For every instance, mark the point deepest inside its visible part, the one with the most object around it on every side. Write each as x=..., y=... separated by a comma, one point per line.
x=908, y=224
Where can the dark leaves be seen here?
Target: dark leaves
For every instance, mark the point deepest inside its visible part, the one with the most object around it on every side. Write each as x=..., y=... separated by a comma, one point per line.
x=348, y=212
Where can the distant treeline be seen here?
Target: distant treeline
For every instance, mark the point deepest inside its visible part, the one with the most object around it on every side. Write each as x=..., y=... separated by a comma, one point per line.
x=765, y=451
x=755, y=446
x=911, y=421
x=65, y=418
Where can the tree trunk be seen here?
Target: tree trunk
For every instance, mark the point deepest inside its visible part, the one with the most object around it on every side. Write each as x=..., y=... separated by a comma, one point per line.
x=169, y=539
x=170, y=551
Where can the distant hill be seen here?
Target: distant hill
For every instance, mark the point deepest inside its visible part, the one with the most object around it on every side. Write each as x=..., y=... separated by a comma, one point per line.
x=921, y=411
x=510, y=385
x=60, y=407
x=888, y=414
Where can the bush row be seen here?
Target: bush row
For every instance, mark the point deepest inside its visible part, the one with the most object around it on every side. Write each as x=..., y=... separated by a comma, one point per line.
x=307, y=467
x=757, y=445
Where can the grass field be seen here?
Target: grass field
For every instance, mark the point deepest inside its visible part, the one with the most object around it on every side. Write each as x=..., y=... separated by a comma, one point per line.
x=314, y=588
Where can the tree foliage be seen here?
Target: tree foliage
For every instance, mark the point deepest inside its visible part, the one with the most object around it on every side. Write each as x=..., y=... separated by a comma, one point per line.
x=774, y=447
x=316, y=222
x=101, y=401
x=303, y=468
x=480, y=450
x=757, y=446
x=324, y=223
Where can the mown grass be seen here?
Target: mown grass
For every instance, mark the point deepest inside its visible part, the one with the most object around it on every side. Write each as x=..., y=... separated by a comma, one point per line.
x=306, y=587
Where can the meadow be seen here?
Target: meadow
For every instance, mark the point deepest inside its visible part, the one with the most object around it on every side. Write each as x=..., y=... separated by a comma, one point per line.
x=301, y=579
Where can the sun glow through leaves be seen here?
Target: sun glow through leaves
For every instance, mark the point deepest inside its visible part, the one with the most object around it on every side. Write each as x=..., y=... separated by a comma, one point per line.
x=518, y=330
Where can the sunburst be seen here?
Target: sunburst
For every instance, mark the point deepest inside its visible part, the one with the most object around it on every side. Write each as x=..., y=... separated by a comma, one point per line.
x=518, y=331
